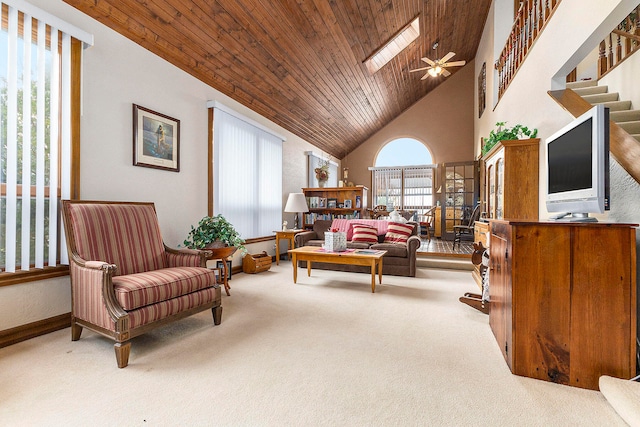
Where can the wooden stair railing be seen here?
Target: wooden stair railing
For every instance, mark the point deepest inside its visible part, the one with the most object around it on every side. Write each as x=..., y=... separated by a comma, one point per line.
x=624, y=148
x=627, y=35
x=530, y=20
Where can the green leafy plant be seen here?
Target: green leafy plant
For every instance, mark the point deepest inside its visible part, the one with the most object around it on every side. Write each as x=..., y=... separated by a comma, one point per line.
x=507, y=134
x=211, y=229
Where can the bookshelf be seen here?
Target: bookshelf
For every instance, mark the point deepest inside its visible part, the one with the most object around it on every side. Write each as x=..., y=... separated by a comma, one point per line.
x=335, y=202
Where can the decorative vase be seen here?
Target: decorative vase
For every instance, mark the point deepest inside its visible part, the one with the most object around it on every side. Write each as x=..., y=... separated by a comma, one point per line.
x=322, y=183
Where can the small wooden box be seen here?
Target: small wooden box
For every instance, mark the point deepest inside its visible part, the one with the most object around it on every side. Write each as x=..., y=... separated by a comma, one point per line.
x=255, y=263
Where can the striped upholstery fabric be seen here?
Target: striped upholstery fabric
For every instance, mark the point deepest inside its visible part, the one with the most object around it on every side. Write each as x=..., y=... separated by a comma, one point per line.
x=187, y=258
x=88, y=303
x=151, y=313
x=140, y=289
x=345, y=225
x=126, y=235
x=364, y=234
x=398, y=232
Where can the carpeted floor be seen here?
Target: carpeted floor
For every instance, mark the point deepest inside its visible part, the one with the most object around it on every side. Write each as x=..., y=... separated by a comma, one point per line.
x=324, y=352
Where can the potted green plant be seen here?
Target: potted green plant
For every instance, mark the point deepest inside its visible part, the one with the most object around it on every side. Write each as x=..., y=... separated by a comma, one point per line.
x=507, y=134
x=214, y=232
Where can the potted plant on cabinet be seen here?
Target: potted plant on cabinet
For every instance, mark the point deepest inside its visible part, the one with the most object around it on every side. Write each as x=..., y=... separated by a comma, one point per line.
x=214, y=232
x=507, y=134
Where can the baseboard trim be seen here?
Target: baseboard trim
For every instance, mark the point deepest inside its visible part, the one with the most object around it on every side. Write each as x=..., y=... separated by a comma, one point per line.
x=31, y=330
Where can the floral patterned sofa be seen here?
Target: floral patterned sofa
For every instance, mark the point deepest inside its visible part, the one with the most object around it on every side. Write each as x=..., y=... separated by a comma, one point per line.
x=400, y=259
x=124, y=280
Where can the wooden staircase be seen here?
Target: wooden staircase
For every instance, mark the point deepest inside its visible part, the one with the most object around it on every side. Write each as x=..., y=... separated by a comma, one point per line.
x=620, y=111
x=624, y=147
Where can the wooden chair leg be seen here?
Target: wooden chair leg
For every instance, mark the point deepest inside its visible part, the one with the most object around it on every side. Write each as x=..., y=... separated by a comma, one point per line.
x=76, y=331
x=122, y=353
x=217, y=314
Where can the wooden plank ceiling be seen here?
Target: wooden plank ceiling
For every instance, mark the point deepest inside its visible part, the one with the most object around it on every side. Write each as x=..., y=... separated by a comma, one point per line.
x=300, y=62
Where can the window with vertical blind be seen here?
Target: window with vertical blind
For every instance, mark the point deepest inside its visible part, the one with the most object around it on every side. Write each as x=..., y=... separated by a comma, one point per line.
x=39, y=132
x=403, y=188
x=247, y=162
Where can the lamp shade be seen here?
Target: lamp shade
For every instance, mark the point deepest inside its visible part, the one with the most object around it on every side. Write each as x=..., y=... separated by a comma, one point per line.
x=296, y=203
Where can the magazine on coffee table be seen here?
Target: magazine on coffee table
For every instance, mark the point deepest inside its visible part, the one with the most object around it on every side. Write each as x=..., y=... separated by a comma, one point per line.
x=368, y=252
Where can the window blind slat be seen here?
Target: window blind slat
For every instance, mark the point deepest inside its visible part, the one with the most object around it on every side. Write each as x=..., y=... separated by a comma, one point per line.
x=40, y=147
x=12, y=143
x=54, y=140
x=25, y=222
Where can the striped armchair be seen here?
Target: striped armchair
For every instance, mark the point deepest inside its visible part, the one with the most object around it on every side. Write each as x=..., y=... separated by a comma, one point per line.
x=124, y=280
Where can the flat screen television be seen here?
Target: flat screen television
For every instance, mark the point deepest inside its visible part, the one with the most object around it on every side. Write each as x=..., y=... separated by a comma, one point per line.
x=577, y=165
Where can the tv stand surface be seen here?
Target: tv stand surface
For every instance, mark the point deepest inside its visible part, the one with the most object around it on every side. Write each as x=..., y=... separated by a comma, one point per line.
x=563, y=299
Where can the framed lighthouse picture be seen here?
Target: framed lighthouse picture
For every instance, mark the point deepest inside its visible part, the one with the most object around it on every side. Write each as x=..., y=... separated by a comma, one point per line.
x=156, y=140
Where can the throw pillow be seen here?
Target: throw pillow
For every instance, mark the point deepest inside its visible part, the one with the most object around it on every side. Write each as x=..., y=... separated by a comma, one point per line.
x=398, y=233
x=364, y=234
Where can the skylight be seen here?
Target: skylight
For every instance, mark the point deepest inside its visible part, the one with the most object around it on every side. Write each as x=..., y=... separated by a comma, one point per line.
x=401, y=40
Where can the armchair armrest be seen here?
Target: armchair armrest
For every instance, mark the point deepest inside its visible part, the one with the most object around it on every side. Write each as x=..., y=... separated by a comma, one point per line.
x=185, y=257
x=91, y=281
x=302, y=238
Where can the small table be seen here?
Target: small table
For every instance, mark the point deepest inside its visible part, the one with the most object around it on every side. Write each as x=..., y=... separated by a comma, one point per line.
x=223, y=254
x=287, y=235
x=357, y=257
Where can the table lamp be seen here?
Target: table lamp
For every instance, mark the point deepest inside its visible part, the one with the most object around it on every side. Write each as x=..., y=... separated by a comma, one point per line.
x=297, y=203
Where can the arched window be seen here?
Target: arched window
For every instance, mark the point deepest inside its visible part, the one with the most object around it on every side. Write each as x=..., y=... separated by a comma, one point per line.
x=403, y=176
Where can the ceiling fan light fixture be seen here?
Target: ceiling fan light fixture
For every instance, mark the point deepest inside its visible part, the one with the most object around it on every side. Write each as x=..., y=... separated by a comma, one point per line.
x=435, y=71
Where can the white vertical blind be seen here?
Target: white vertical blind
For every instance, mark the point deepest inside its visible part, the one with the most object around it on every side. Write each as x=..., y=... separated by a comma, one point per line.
x=248, y=175
x=36, y=163
x=408, y=188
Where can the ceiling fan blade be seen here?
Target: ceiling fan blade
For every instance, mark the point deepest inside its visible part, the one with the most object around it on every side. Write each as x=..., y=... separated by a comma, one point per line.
x=419, y=69
x=445, y=73
x=447, y=57
x=455, y=64
x=428, y=61
x=425, y=76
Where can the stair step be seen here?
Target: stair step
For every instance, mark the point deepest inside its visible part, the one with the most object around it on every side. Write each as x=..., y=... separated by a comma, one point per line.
x=591, y=90
x=625, y=116
x=617, y=105
x=602, y=97
x=631, y=127
x=582, y=83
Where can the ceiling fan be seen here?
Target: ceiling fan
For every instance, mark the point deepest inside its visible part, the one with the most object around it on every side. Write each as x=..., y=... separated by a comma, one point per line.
x=439, y=66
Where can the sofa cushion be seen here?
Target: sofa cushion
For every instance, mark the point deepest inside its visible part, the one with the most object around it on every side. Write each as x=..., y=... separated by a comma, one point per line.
x=393, y=249
x=141, y=289
x=364, y=234
x=398, y=232
x=358, y=245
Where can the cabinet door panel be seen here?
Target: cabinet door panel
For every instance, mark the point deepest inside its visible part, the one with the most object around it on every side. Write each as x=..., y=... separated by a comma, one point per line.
x=541, y=272
x=600, y=288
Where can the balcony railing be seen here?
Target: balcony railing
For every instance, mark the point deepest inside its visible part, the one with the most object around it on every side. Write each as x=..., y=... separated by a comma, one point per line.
x=621, y=43
x=529, y=23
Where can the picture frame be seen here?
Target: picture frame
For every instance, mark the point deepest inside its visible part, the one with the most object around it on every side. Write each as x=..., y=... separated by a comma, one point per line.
x=348, y=204
x=220, y=265
x=332, y=203
x=323, y=202
x=358, y=202
x=482, y=89
x=156, y=140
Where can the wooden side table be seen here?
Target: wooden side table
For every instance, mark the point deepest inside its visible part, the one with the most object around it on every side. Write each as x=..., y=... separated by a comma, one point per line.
x=223, y=254
x=287, y=235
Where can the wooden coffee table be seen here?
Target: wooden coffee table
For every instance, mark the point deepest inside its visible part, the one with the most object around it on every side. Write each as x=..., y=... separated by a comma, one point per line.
x=358, y=257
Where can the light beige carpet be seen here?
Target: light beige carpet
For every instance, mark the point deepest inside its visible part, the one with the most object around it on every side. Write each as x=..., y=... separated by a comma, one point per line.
x=324, y=352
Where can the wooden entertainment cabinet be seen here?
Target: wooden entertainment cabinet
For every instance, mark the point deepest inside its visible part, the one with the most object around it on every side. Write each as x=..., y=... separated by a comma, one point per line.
x=563, y=299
